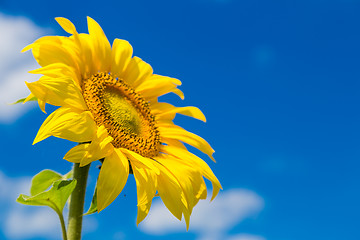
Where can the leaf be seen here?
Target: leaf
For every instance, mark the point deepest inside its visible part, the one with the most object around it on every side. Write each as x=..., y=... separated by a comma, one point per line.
x=43, y=180
x=93, y=206
x=55, y=198
x=23, y=99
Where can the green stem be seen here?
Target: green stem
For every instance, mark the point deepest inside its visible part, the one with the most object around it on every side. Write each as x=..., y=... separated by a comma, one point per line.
x=77, y=199
x=63, y=228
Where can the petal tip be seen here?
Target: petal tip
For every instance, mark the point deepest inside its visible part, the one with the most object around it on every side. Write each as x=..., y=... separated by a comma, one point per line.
x=66, y=24
x=100, y=209
x=27, y=48
x=38, y=139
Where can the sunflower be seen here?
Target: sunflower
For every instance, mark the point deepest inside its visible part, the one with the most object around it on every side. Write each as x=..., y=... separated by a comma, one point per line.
x=108, y=102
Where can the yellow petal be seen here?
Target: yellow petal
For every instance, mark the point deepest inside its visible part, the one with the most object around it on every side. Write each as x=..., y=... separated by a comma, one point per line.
x=56, y=70
x=187, y=111
x=29, y=98
x=179, y=93
x=175, y=132
x=28, y=47
x=101, y=45
x=157, y=85
x=140, y=161
x=70, y=124
x=77, y=153
x=166, y=111
x=200, y=190
x=192, y=160
x=69, y=27
x=143, y=211
x=55, y=49
x=160, y=107
x=100, y=147
x=187, y=218
x=183, y=175
x=190, y=179
x=66, y=24
x=137, y=71
x=155, y=81
x=112, y=178
x=146, y=183
x=58, y=92
x=175, y=143
x=120, y=57
x=146, y=189
x=170, y=192
x=47, y=54
x=82, y=125
x=42, y=105
x=88, y=54
x=216, y=190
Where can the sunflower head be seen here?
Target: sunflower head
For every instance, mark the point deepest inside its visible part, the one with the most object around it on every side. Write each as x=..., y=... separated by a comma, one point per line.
x=125, y=114
x=108, y=100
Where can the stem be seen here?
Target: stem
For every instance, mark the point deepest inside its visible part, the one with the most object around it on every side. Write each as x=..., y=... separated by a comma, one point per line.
x=77, y=199
x=63, y=228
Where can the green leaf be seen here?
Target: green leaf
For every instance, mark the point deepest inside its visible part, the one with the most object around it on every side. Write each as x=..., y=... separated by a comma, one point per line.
x=93, y=206
x=23, y=99
x=55, y=198
x=43, y=180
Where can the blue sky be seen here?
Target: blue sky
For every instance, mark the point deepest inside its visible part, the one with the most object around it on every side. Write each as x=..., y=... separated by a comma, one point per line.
x=279, y=83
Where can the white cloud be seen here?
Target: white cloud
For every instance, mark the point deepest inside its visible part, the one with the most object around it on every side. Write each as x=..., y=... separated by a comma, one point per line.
x=16, y=33
x=208, y=220
x=23, y=222
x=10, y=188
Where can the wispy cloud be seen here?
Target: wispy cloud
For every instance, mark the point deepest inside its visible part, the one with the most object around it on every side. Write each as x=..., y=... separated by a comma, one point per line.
x=209, y=220
x=16, y=33
x=24, y=223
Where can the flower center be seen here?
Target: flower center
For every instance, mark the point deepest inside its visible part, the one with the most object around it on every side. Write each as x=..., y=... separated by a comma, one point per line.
x=123, y=112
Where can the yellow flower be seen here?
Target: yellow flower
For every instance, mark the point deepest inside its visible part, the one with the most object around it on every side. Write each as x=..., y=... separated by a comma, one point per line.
x=109, y=102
